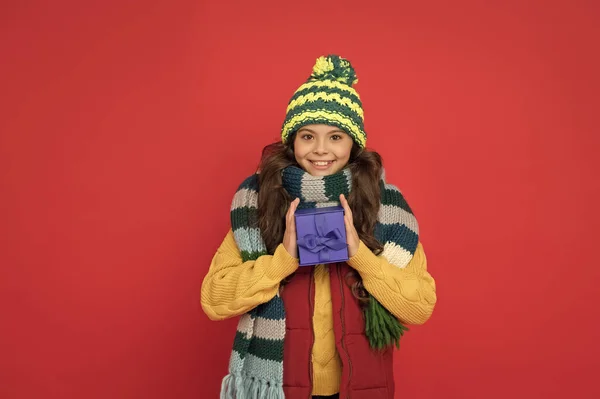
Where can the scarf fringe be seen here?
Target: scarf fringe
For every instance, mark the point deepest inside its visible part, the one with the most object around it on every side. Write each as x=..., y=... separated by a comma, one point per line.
x=237, y=386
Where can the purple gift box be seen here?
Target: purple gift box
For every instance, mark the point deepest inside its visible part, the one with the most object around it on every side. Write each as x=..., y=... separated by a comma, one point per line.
x=321, y=235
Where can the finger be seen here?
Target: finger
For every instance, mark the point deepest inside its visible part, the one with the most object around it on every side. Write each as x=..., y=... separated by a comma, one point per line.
x=344, y=202
x=292, y=223
x=291, y=211
x=289, y=215
x=292, y=207
x=348, y=222
x=348, y=225
x=346, y=206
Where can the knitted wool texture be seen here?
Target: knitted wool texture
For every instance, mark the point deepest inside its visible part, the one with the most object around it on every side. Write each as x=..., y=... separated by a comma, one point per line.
x=327, y=97
x=256, y=363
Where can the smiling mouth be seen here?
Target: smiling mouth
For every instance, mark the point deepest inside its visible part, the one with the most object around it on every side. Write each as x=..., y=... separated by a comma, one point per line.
x=321, y=163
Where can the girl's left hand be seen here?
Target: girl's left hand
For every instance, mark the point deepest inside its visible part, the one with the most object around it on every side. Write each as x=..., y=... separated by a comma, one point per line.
x=351, y=234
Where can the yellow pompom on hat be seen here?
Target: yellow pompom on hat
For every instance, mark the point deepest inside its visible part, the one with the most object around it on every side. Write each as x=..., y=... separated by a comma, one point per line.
x=327, y=97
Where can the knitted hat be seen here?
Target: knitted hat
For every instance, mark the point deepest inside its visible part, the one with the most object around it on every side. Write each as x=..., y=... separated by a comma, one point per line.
x=327, y=97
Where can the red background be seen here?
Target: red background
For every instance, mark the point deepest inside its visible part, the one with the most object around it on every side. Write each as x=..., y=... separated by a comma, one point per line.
x=126, y=127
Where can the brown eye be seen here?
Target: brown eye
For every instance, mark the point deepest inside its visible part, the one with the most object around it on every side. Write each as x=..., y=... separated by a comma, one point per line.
x=336, y=137
x=307, y=136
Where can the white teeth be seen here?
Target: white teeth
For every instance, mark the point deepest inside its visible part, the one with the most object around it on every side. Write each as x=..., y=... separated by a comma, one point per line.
x=324, y=163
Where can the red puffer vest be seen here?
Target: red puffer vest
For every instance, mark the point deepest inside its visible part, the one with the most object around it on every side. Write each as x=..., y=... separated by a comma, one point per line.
x=366, y=374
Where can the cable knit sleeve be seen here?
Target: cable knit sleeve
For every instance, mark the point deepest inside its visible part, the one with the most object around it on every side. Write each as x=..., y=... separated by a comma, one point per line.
x=233, y=287
x=408, y=293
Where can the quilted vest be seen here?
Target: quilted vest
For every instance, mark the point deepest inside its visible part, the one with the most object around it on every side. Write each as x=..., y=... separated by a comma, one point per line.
x=366, y=373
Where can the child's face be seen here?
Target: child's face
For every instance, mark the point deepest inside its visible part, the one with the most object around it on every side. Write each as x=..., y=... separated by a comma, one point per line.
x=322, y=150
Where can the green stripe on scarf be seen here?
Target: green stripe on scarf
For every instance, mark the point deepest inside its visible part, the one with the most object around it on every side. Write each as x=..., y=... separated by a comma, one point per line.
x=260, y=347
x=241, y=217
x=246, y=256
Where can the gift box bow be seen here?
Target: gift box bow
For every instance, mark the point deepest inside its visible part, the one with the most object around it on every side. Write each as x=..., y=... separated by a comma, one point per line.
x=324, y=240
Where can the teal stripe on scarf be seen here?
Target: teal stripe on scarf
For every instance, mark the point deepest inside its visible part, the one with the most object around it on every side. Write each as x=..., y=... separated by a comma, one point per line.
x=394, y=197
x=251, y=182
x=398, y=234
x=293, y=174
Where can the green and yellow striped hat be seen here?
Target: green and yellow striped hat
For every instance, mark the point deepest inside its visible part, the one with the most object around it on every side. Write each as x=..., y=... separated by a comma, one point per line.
x=327, y=97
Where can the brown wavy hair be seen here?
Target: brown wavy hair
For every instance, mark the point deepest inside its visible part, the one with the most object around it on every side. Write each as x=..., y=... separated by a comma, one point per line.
x=364, y=199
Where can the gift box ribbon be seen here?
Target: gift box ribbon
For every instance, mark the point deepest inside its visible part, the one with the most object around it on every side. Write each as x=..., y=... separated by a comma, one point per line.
x=324, y=240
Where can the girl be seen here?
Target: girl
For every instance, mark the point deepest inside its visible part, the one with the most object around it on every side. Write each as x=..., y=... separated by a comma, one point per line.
x=328, y=330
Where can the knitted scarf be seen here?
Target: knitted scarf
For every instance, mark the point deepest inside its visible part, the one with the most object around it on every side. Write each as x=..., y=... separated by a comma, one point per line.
x=256, y=363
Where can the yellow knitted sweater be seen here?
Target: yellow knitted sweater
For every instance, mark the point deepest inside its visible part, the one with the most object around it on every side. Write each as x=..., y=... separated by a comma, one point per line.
x=232, y=288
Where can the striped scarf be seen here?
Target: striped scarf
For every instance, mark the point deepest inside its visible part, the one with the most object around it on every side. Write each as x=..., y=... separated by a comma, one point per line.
x=256, y=364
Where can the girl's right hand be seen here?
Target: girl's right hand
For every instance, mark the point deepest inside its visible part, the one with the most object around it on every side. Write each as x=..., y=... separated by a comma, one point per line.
x=289, y=237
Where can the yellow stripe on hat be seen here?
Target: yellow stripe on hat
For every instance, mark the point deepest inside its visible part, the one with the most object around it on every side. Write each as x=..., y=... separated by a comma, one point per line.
x=354, y=130
x=312, y=97
x=328, y=83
